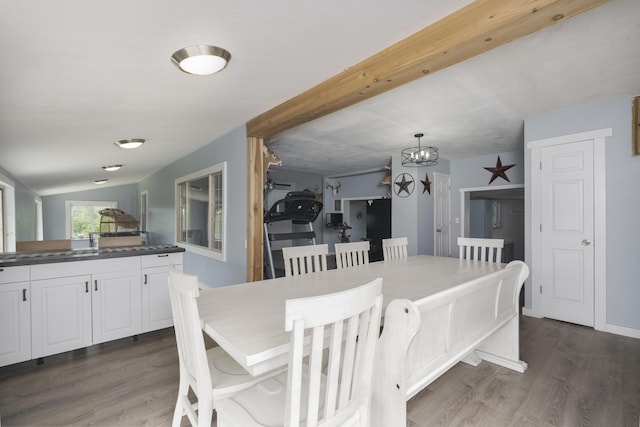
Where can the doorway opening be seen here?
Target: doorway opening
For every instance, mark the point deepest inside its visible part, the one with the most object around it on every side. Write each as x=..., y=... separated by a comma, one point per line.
x=370, y=219
x=495, y=213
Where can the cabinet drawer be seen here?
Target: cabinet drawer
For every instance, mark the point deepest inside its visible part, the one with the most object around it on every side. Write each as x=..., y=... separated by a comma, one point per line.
x=161, y=260
x=14, y=274
x=79, y=268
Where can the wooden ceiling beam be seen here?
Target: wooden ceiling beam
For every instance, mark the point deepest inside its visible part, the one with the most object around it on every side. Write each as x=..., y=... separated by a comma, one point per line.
x=470, y=31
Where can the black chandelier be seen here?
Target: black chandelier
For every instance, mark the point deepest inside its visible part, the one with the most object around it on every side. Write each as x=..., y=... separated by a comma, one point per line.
x=420, y=155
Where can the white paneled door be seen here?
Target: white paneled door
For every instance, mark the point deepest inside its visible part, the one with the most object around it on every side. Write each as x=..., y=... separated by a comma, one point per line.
x=567, y=232
x=442, y=217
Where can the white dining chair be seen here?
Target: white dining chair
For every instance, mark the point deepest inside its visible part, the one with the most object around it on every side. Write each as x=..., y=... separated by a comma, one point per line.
x=394, y=248
x=352, y=254
x=209, y=374
x=481, y=249
x=310, y=395
x=305, y=259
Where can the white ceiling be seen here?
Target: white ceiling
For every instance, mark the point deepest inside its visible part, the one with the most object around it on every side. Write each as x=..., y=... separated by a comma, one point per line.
x=77, y=75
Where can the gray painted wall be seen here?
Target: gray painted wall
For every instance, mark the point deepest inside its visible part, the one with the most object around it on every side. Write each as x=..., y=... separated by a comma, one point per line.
x=426, y=203
x=622, y=203
x=231, y=148
x=53, y=207
x=412, y=216
x=25, y=216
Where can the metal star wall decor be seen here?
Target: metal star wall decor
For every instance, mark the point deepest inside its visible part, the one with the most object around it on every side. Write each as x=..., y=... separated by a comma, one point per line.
x=405, y=184
x=499, y=171
x=427, y=184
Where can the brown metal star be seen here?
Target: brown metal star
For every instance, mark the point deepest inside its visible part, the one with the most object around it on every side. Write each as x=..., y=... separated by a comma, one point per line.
x=427, y=184
x=499, y=171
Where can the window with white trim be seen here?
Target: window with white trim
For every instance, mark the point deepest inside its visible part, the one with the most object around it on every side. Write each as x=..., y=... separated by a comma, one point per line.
x=144, y=204
x=7, y=215
x=1, y=220
x=201, y=211
x=83, y=217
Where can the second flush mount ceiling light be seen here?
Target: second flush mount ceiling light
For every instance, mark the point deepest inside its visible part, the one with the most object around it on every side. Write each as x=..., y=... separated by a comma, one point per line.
x=130, y=143
x=201, y=60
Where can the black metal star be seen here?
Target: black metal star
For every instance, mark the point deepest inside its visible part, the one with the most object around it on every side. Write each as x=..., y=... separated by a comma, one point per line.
x=499, y=171
x=404, y=184
x=427, y=184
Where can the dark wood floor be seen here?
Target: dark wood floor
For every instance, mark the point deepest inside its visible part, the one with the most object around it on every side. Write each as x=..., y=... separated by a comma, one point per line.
x=576, y=377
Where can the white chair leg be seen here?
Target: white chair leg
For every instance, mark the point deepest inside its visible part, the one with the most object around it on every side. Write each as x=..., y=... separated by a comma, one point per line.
x=205, y=414
x=180, y=412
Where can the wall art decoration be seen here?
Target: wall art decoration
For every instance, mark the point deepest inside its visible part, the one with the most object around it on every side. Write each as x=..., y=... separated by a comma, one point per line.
x=427, y=185
x=404, y=185
x=499, y=171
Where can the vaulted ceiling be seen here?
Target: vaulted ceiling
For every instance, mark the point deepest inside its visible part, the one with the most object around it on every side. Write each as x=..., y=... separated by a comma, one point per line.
x=77, y=76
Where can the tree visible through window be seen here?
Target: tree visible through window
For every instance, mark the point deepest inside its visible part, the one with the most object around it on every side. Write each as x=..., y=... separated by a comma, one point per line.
x=83, y=218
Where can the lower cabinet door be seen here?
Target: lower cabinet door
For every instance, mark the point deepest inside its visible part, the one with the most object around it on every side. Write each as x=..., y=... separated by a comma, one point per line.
x=60, y=315
x=15, y=323
x=156, y=305
x=116, y=305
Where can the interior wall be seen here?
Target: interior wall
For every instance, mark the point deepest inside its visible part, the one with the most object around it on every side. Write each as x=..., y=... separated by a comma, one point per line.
x=426, y=206
x=25, y=213
x=231, y=148
x=413, y=216
x=622, y=198
x=54, y=206
x=479, y=219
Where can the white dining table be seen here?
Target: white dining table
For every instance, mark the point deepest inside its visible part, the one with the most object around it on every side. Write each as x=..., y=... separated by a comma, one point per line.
x=247, y=320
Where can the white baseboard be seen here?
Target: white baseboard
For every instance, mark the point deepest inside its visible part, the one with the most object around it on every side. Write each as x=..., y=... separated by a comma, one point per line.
x=612, y=329
x=529, y=312
x=623, y=330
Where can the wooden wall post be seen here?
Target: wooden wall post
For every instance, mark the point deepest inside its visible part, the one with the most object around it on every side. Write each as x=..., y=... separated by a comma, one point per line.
x=255, y=203
x=635, y=131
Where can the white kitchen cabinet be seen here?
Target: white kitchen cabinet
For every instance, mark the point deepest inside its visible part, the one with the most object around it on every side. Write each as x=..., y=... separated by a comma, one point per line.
x=77, y=304
x=15, y=315
x=49, y=308
x=116, y=305
x=60, y=315
x=156, y=305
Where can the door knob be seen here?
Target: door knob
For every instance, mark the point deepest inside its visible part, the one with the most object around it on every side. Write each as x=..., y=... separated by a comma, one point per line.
x=586, y=242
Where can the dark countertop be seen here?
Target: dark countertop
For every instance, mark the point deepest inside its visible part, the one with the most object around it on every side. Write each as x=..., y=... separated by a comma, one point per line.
x=11, y=259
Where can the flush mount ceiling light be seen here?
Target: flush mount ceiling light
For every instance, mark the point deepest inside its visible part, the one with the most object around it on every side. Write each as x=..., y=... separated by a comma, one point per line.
x=111, y=168
x=420, y=155
x=201, y=60
x=130, y=143
x=100, y=181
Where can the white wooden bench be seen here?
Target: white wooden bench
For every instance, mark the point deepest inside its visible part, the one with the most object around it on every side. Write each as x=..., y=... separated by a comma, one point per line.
x=421, y=340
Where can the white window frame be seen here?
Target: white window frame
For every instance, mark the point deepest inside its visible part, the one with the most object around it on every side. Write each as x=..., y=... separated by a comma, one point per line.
x=39, y=225
x=68, y=204
x=220, y=255
x=144, y=210
x=8, y=215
